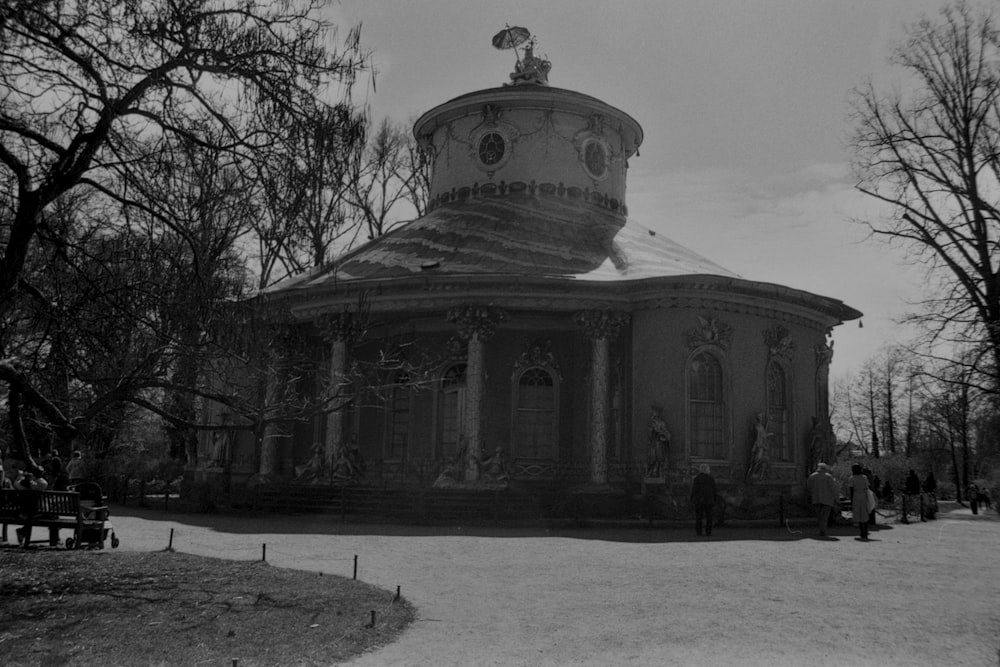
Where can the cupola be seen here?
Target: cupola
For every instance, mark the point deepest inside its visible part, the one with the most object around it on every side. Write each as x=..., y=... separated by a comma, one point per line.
x=527, y=136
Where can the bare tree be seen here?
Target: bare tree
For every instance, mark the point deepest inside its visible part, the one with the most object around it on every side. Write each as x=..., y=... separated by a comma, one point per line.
x=392, y=172
x=932, y=153
x=92, y=88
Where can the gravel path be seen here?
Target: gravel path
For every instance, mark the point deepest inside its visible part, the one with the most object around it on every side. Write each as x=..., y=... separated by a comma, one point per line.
x=917, y=594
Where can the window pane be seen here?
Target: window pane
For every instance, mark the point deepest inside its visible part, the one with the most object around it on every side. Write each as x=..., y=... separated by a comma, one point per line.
x=706, y=407
x=536, y=413
x=777, y=413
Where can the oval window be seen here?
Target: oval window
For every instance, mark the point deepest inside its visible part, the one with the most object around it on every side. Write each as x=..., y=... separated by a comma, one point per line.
x=491, y=148
x=595, y=159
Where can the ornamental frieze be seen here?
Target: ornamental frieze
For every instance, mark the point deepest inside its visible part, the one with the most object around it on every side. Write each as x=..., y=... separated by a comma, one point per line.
x=545, y=188
x=709, y=331
x=597, y=324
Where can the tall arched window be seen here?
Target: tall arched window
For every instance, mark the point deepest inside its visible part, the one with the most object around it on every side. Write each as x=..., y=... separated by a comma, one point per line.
x=451, y=399
x=399, y=418
x=777, y=412
x=535, y=414
x=706, y=407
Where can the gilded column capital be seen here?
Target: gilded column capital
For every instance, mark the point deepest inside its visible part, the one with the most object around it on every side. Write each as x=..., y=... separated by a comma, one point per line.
x=344, y=326
x=597, y=324
x=476, y=321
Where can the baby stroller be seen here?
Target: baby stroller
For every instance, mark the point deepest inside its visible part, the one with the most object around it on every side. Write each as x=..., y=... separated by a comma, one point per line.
x=94, y=527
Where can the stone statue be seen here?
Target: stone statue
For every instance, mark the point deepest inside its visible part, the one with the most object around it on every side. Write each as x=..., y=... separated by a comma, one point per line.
x=659, y=445
x=758, y=465
x=494, y=468
x=348, y=464
x=531, y=68
x=313, y=470
x=452, y=474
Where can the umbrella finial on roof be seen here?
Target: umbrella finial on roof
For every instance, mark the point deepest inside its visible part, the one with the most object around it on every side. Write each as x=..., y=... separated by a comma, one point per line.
x=531, y=68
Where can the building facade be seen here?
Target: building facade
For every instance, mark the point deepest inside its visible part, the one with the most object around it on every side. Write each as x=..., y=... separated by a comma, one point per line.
x=526, y=330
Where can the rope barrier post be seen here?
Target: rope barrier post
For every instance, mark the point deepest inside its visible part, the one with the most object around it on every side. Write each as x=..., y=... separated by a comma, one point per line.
x=355, y=566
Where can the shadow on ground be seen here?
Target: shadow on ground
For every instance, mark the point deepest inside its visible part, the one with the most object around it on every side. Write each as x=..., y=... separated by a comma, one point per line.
x=637, y=531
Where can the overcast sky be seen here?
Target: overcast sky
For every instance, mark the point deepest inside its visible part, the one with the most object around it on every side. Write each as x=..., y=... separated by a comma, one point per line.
x=745, y=108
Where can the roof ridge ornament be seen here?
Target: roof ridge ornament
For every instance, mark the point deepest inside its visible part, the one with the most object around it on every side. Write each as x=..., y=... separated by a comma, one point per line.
x=527, y=70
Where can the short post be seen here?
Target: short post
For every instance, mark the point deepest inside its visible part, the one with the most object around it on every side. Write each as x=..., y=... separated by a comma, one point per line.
x=355, y=566
x=263, y=552
x=373, y=619
x=170, y=544
x=398, y=594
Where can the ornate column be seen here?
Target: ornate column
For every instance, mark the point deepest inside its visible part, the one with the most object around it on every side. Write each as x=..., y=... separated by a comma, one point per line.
x=339, y=330
x=476, y=324
x=601, y=327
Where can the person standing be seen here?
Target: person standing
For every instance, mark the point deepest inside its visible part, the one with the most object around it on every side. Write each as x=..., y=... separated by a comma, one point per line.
x=911, y=493
x=703, y=499
x=76, y=469
x=858, y=487
x=973, y=494
x=928, y=502
x=824, y=494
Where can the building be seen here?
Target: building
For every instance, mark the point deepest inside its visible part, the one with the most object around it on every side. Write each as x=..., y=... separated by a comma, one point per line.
x=526, y=320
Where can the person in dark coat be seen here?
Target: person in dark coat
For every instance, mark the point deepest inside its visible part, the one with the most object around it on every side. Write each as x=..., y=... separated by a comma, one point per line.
x=911, y=495
x=703, y=499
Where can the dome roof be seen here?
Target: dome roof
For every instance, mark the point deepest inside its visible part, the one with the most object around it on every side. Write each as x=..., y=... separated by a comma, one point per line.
x=516, y=235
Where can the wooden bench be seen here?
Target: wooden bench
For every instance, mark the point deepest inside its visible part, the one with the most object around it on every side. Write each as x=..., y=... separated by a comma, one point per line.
x=49, y=509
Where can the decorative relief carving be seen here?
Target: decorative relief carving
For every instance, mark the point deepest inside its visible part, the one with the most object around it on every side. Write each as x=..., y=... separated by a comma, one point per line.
x=491, y=114
x=537, y=353
x=779, y=343
x=709, y=332
x=601, y=323
x=478, y=321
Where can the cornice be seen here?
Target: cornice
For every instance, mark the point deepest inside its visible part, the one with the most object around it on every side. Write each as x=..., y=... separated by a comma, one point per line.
x=702, y=293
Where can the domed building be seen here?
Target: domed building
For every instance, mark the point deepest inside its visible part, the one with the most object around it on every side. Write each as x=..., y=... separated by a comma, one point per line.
x=531, y=334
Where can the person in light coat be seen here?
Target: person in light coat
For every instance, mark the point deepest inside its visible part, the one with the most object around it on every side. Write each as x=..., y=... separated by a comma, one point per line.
x=824, y=494
x=860, y=505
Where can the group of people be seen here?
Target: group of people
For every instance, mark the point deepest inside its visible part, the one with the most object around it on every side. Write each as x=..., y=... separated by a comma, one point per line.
x=50, y=474
x=865, y=491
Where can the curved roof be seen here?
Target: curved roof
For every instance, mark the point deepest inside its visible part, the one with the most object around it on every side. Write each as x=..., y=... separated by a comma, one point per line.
x=516, y=234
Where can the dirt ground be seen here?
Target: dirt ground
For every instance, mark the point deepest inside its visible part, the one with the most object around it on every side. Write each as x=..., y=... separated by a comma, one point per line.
x=916, y=594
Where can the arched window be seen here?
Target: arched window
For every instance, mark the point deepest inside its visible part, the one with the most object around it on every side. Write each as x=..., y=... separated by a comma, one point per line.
x=451, y=399
x=706, y=407
x=399, y=418
x=535, y=414
x=778, y=413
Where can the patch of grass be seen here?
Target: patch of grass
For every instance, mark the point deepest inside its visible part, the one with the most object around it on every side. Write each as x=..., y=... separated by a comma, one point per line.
x=61, y=607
